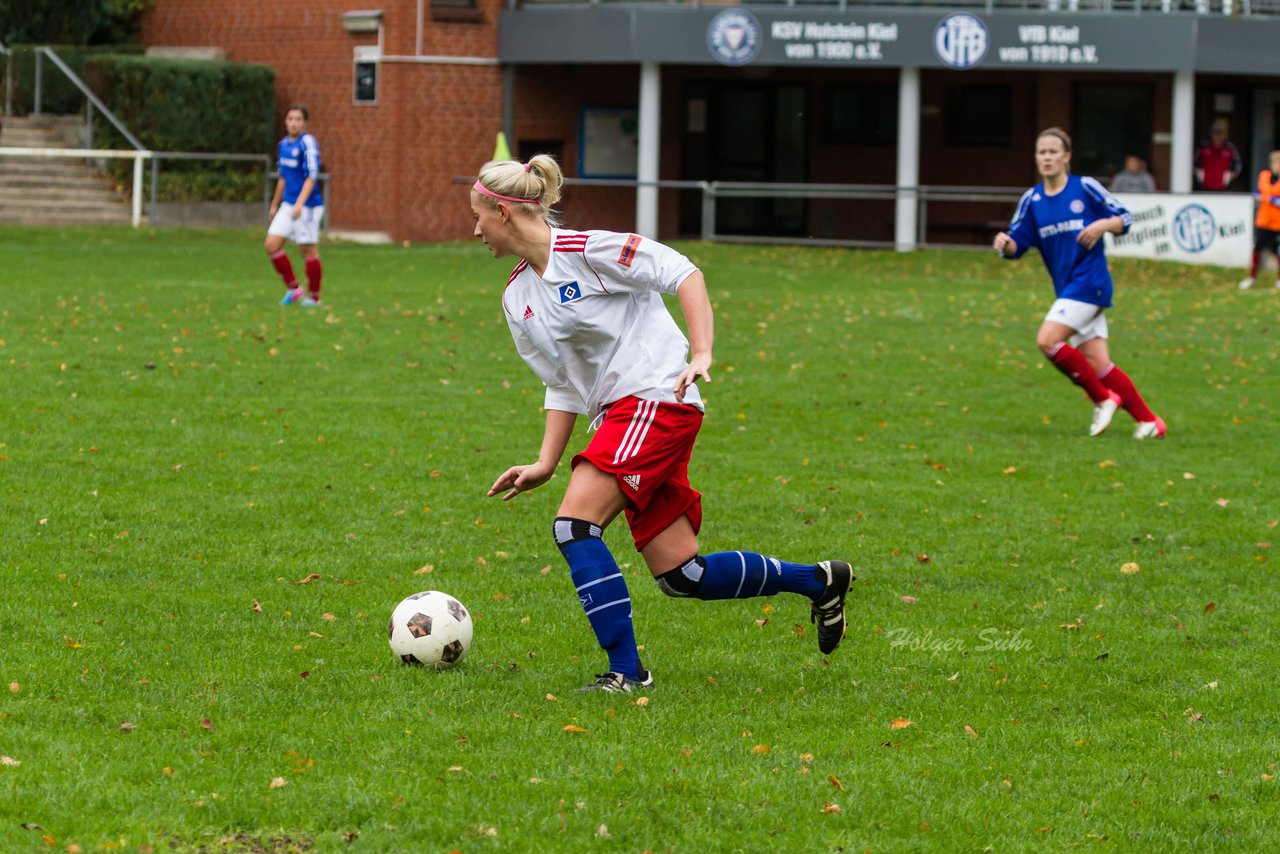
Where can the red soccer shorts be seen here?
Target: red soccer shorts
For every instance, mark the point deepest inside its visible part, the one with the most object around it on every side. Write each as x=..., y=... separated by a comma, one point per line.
x=646, y=446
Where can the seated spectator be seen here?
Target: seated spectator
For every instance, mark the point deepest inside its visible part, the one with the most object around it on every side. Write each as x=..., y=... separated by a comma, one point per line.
x=1135, y=178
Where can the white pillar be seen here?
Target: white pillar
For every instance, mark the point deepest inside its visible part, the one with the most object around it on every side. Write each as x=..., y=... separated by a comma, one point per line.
x=904, y=230
x=647, y=151
x=1182, y=146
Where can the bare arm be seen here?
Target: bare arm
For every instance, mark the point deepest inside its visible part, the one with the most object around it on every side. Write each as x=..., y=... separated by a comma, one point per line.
x=303, y=194
x=700, y=321
x=555, y=439
x=275, y=200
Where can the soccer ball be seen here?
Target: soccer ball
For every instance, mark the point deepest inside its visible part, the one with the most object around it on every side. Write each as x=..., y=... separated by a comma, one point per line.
x=430, y=629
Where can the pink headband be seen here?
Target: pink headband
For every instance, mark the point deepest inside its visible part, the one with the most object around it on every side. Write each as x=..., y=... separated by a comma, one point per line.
x=485, y=191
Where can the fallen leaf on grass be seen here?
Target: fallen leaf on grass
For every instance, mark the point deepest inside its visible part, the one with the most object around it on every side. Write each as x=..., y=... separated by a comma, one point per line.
x=10, y=761
x=1210, y=608
x=1222, y=502
x=257, y=606
x=899, y=723
x=642, y=701
x=835, y=781
x=127, y=726
x=910, y=600
x=327, y=616
x=31, y=825
x=969, y=731
x=574, y=728
x=760, y=750
x=310, y=578
x=1079, y=625
x=14, y=687
x=1107, y=464
x=205, y=723
x=277, y=783
x=832, y=809
x=1129, y=568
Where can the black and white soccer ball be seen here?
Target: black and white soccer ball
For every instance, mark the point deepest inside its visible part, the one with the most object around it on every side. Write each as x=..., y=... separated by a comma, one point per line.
x=430, y=629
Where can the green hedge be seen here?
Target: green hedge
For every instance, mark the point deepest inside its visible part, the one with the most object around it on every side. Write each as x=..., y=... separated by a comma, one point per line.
x=185, y=104
x=190, y=105
x=58, y=95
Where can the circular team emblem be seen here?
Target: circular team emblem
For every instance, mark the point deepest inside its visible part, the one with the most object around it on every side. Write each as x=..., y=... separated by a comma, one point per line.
x=1194, y=228
x=733, y=37
x=1076, y=206
x=961, y=40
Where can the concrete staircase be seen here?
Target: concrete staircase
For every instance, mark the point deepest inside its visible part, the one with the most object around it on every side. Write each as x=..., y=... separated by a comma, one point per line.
x=54, y=190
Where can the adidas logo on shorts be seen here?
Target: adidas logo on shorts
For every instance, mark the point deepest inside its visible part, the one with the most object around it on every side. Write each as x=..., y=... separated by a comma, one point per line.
x=632, y=480
x=528, y=312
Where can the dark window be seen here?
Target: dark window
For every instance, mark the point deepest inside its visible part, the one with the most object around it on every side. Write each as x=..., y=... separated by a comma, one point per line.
x=1111, y=121
x=456, y=11
x=862, y=114
x=980, y=114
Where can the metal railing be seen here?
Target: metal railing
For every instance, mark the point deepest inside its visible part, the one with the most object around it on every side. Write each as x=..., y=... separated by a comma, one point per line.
x=1199, y=7
x=94, y=101
x=922, y=197
x=155, y=157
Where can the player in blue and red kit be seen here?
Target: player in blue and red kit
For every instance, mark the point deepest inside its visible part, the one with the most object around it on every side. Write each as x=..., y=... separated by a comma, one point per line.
x=1065, y=217
x=297, y=208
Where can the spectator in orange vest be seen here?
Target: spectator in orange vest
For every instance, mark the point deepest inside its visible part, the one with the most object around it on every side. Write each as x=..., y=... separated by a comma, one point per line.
x=1266, y=225
x=1218, y=160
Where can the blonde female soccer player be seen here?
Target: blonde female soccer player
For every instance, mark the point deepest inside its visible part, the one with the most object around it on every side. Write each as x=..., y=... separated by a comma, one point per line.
x=1065, y=217
x=585, y=309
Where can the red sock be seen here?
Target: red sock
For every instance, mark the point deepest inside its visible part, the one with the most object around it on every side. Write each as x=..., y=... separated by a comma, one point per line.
x=1072, y=362
x=313, y=276
x=1254, y=262
x=1119, y=382
x=280, y=261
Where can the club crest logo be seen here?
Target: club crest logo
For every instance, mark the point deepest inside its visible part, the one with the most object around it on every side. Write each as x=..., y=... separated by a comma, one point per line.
x=961, y=40
x=733, y=37
x=569, y=292
x=1076, y=206
x=1194, y=228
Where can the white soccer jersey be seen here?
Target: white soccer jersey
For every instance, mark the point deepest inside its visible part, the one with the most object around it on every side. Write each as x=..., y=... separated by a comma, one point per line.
x=594, y=327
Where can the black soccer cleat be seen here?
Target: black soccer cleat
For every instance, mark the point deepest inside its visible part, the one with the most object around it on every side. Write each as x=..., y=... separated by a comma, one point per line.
x=617, y=683
x=828, y=608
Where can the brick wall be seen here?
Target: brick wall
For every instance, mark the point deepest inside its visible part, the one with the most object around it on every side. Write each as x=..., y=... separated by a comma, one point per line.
x=392, y=163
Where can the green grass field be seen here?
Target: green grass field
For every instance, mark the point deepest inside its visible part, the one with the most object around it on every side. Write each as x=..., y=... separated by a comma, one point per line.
x=1057, y=642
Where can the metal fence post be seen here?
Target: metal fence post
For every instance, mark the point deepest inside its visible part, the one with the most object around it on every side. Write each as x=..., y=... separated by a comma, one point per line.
x=155, y=179
x=39, y=82
x=88, y=126
x=708, y=210
x=137, y=189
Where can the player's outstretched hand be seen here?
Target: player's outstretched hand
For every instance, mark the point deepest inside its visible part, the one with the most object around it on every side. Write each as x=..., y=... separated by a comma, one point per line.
x=518, y=479
x=694, y=371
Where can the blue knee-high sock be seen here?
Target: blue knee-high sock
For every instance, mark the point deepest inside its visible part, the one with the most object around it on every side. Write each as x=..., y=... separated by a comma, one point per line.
x=602, y=592
x=742, y=575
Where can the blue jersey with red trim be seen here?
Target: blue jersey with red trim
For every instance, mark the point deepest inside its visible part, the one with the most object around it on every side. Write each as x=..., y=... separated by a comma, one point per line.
x=296, y=161
x=1052, y=224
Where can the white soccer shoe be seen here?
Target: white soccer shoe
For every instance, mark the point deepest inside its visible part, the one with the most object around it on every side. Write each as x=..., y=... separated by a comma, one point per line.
x=1103, y=413
x=1246, y=283
x=1151, y=429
